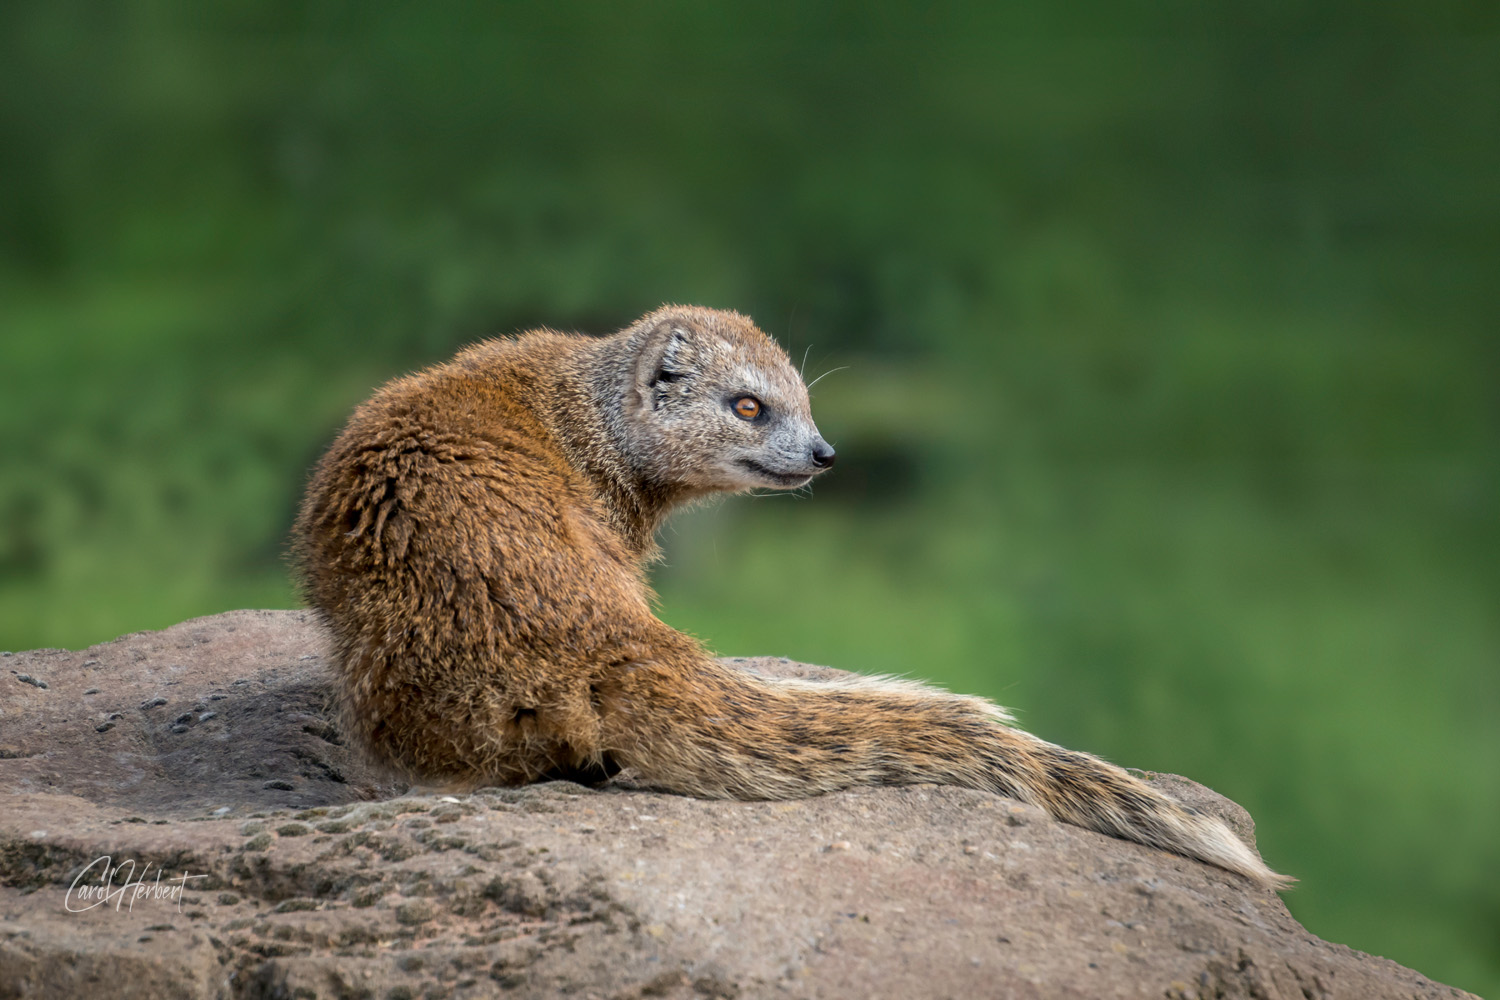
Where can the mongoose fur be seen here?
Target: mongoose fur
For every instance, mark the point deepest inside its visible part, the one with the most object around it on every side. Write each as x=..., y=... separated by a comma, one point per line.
x=476, y=539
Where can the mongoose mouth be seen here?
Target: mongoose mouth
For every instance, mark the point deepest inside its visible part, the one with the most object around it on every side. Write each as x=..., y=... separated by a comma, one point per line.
x=779, y=478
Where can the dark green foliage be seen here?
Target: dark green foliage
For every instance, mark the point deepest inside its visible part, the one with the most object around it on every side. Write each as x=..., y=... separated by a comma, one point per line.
x=1170, y=415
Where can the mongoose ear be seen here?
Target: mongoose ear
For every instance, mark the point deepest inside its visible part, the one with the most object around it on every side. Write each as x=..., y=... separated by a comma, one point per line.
x=668, y=355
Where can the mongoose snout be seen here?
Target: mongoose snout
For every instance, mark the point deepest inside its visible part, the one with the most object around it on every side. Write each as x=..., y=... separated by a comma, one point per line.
x=476, y=540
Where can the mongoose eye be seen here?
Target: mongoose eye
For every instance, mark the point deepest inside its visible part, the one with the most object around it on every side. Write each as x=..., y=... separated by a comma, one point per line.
x=747, y=407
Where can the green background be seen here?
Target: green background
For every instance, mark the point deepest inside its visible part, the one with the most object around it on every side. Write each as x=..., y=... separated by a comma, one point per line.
x=1168, y=411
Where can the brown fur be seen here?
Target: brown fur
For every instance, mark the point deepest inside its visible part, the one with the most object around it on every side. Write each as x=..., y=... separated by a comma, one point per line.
x=476, y=539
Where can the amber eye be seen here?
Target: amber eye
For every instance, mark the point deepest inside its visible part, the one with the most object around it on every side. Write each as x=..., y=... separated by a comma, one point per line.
x=747, y=407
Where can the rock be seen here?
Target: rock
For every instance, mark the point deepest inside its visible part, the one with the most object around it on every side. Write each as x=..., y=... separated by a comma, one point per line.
x=289, y=868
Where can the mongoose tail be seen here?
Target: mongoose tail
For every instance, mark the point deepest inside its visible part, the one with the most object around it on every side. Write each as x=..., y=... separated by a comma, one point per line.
x=755, y=738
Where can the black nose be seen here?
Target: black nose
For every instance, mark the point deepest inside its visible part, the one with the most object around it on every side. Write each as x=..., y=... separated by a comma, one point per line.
x=822, y=454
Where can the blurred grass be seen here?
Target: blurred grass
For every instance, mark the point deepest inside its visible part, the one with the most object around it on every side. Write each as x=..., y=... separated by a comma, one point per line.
x=1169, y=418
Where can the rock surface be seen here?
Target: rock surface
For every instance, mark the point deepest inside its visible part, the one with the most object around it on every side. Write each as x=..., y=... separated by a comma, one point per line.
x=207, y=750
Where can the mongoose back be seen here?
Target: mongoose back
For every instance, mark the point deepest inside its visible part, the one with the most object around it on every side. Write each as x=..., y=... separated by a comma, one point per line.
x=476, y=539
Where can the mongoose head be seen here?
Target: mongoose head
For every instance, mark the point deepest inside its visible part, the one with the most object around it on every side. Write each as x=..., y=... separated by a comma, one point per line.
x=715, y=404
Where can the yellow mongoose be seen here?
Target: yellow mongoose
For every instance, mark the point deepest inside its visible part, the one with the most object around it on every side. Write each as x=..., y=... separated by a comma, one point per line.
x=476, y=539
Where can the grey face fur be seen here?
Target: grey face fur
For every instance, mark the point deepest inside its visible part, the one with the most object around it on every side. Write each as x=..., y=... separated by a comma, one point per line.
x=689, y=381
